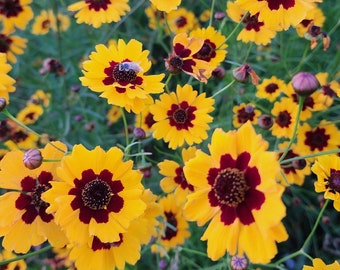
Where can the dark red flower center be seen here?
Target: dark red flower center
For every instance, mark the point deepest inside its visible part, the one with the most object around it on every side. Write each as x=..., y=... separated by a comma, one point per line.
x=10, y=8
x=328, y=91
x=316, y=139
x=181, y=115
x=30, y=199
x=305, y=22
x=333, y=182
x=181, y=21
x=289, y=168
x=233, y=189
x=176, y=62
x=283, y=119
x=149, y=120
x=207, y=51
x=99, y=245
x=271, y=88
x=19, y=136
x=181, y=180
x=96, y=195
x=170, y=231
x=46, y=24
x=98, y=4
x=5, y=130
x=275, y=4
x=252, y=22
x=245, y=114
x=5, y=43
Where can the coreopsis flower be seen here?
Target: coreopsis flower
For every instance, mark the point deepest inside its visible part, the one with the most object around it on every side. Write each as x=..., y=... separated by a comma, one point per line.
x=98, y=194
x=181, y=20
x=40, y=97
x=236, y=192
x=254, y=30
x=113, y=115
x=30, y=113
x=63, y=23
x=144, y=120
x=174, y=229
x=20, y=138
x=327, y=170
x=96, y=13
x=329, y=88
x=271, y=88
x=15, y=265
x=12, y=45
x=15, y=14
x=243, y=113
x=156, y=17
x=205, y=15
x=294, y=172
x=25, y=222
x=166, y=6
x=284, y=113
x=174, y=179
x=213, y=49
x=44, y=22
x=121, y=78
x=182, y=58
x=318, y=264
x=317, y=139
x=182, y=116
x=7, y=82
x=314, y=16
x=280, y=14
x=99, y=255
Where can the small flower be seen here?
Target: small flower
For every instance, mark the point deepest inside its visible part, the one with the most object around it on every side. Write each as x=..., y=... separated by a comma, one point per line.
x=181, y=20
x=329, y=88
x=271, y=88
x=242, y=73
x=12, y=45
x=15, y=13
x=30, y=114
x=318, y=264
x=243, y=113
x=265, y=121
x=44, y=22
x=113, y=115
x=305, y=83
x=32, y=158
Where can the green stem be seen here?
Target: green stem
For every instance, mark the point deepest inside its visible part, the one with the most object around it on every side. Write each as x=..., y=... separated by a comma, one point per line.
x=236, y=27
x=126, y=128
x=297, y=122
x=193, y=251
x=329, y=152
x=212, y=12
x=167, y=83
x=28, y=255
x=224, y=88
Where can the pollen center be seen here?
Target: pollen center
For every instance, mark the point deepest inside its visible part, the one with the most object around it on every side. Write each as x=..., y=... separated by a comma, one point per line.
x=171, y=228
x=181, y=115
x=334, y=181
x=36, y=195
x=96, y=194
x=230, y=187
x=10, y=8
x=283, y=119
x=176, y=62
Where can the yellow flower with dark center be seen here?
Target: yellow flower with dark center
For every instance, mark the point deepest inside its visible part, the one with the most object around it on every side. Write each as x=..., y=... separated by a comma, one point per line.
x=271, y=88
x=16, y=265
x=95, y=13
x=15, y=13
x=255, y=30
x=98, y=195
x=327, y=170
x=182, y=116
x=318, y=264
x=317, y=139
x=30, y=113
x=236, y=192
x=12, y=45
x=40, y=97
x=314, y=16
x=24, y=219
x=144, y=120
x=63, y=21
x=118, y=73
x=174, y=229
x=278, y=14
x=329, y=88
x=174, y=179
x=213, y=49
x=243, y=113
x=156, y=17
x=113, y=115
x=166, y=6
x=284, y=113
x=6, y=82
x=181, y=21
x=44, y=22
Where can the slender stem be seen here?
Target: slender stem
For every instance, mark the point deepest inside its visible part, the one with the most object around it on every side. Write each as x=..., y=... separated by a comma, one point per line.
x=329, y=152
x=237, y=26
x=25, y=256
x=297, y=122
x=212, y=12
x=126, y=128
x=167, y=83
x=193, y=251
x=224, y=88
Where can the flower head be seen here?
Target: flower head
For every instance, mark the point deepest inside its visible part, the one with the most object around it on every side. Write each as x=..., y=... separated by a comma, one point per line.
x=44, y=22
x=181, y=20
x=235, y=191
x=271, y=88
x=7, y=82
x=243, y=113
x=12, y=45
x=15, y=13
x=121, y=78
x=182, y=116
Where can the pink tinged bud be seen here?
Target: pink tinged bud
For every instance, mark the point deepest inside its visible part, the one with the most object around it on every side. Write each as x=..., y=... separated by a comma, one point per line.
x=219, y=15
x=139, y=133
x=265, y=121
x=305, y=83
x=218, y=73
x=32, y=158
x=242, y=74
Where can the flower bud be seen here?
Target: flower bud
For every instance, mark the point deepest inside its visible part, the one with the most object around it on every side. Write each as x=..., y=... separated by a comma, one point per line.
x=299, y=164
x=32, y=158
x=219, y=15
x=305, y=83
x=238, y=262
x=3, y=104
x=218, y=72
x=139, y=133
x=265, y=121
x=242, y=73
x=145, y=169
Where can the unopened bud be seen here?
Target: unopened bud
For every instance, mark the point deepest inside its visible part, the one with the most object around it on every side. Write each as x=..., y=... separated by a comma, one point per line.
x=145, y=169
x=218, y=72
x=3, y=104
x=219, y=15
x=299, y=164
x=139, y=133
x=242, y=73
x=32, y=158
x=305, y=83
x=238, y=262
x=265, y=121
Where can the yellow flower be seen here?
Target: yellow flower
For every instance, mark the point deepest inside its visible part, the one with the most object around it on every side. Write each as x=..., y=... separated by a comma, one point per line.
x=20, y=138
x=30, y=113
x=182, y=117
x=144, y=120
x=44, y=22
x=6, y=82
x=118, y=72
x=96, y=13
x=243, y=113
x=314, y=16
x=113, y=115
x=327, y=170
x=255, y=29
x=318, y=264
x=16, y=265
x=25, y=222
x=39, y=97
x=329, y=88
x=64, y=22
x=174, y=179
x=12, y=45
x=98, y=195
x=236, y=192
x=15, y=13
x=156, y=17
x=181, y=21
x=166, y=6
x=271, y=88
